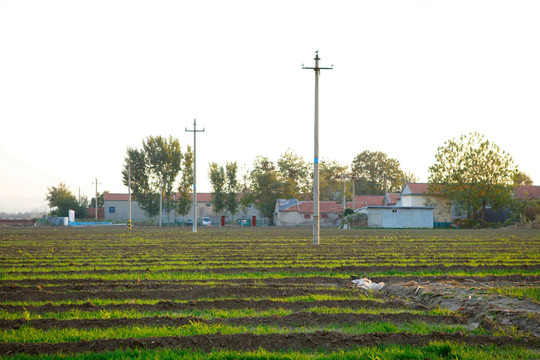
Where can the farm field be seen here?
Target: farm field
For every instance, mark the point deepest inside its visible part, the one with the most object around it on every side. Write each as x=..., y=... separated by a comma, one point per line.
x=268, y=293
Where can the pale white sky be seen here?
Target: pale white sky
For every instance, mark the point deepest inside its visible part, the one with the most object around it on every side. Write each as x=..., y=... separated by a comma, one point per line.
x=80, y=81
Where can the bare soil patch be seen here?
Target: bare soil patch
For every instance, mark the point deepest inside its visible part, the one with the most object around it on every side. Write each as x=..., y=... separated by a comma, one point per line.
x=471, y=298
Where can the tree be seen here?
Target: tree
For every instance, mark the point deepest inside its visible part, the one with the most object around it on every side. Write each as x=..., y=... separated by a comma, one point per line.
x=101, y=200
x=331, y=177
x=141, y=188
x=164, y=159
x=522, y=178
x=185, y=200
x=217, y=181
x=267, y=187
x=231, y=201
x=372, y=168
x=474, y=173
x=246, y=191
x=61, y=200
x=154, y=170
x=410, y=178
x=295, y=173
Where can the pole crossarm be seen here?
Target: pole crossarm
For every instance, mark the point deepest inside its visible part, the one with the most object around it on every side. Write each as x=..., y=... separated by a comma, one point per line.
x=195, y=131
x=316, y=226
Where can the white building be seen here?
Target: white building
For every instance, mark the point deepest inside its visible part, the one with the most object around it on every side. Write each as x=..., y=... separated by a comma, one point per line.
x=398, y=217
x=116, y=208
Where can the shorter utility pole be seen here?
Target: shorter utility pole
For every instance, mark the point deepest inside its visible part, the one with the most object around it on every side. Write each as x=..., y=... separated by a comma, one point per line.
x=195, y=131
x=344, y=193
x=353, y=192
x=96, y=198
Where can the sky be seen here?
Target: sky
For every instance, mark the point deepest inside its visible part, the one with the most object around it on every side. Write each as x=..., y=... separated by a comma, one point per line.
x=81, y=81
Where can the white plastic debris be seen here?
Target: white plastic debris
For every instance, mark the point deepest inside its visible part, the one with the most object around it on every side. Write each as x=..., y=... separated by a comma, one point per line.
x=365, y=283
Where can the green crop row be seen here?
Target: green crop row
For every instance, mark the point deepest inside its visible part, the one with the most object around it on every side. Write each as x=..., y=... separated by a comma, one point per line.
x=205, y=275
x=207, y=314
x=103, y=302
x=434, y=351
x=28, y=334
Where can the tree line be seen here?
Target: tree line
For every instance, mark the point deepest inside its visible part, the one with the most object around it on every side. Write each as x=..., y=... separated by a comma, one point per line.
x=471, y=171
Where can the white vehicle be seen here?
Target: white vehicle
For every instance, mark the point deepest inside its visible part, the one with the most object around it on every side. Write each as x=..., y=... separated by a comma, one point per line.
x=205, y=221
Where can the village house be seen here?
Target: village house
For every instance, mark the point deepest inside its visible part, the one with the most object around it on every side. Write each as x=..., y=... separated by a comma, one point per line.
x=414, y=207
x=418, y=195
x=291, y=212
x=116, y=208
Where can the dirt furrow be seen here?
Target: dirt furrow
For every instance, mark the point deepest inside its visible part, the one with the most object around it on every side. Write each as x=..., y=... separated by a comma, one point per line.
x=332, y=341
x=218, y=304
x=95, y=284
x=186, y=294
x=298, y=319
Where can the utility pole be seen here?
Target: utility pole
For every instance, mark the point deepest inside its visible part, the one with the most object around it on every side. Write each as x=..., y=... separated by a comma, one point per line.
x=129, y=193
x=317, y=70
x=96, y=198
x=353, y=192
x=195, y=131
x=160, y=203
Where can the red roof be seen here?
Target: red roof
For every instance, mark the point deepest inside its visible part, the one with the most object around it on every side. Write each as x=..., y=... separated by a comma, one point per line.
x=527, y=192
x=324, y=207
x=367, y=200
x=115, y=197
x=418, y=188
x=361, y=201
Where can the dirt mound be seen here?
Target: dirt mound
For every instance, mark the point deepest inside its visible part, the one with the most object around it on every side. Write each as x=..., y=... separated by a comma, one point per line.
x=474, y=301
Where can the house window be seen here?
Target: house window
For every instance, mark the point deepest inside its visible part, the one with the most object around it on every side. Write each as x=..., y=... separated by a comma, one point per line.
x=208, y=205
x=394, y=211
x=307, y=216
x=112, y=209
x=324, y=215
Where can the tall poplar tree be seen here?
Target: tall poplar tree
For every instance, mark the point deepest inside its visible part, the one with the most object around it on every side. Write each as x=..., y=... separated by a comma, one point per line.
x=154, y=170
x=185, y=199
x=231, y=201
x=218, y=180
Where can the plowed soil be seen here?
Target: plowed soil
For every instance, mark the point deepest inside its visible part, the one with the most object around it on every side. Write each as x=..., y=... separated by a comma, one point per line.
x=469, y=300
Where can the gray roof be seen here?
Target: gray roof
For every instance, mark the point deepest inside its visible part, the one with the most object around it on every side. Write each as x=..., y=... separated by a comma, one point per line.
x=284, y=204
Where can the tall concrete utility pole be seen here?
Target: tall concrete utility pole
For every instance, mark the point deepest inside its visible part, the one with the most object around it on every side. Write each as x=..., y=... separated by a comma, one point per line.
x=195, y=131
x=129, y=193
x=317, y=70
x=96, y=207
